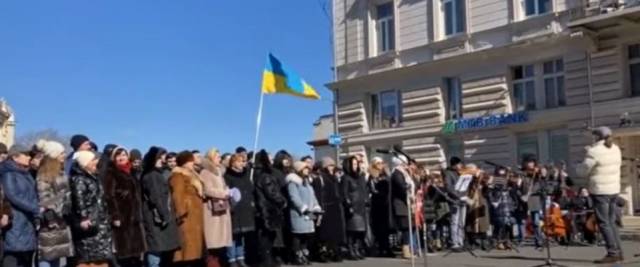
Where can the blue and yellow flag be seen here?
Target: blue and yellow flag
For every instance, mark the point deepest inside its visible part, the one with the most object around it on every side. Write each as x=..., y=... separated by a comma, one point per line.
x=278, y=79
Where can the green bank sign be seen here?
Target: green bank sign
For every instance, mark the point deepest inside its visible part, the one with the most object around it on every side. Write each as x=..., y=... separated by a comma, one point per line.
x=453, y=126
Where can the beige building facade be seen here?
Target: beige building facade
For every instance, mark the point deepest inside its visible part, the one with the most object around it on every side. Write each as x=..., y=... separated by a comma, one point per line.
x=488, y=80
x=7, y=124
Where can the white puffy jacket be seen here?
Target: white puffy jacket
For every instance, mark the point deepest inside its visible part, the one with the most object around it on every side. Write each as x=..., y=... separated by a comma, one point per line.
x=602, y=166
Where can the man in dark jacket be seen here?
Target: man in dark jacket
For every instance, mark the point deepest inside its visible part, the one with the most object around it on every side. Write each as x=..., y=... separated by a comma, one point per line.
x=78, y=142
x=20, y=190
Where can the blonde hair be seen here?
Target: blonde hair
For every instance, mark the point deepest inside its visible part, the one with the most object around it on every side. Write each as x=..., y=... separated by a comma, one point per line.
x=49, y=169
x=211, y=153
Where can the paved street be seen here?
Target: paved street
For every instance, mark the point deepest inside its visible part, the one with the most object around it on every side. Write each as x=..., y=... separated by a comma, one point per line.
x=572, y=256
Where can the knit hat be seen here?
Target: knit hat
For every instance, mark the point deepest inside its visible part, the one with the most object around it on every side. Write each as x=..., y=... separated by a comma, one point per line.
x=83, y=158
x=399, y=160
x=184, y=157
x=327, y=161
x=51, y=149
x=135, y=154
x=602, y=132
x=300, y=165
x=3, y=148
x=77, y=141
x=454, y=161
x=18, y=149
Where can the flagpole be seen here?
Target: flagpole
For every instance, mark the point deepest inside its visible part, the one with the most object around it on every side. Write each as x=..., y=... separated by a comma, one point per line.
x=255, y=141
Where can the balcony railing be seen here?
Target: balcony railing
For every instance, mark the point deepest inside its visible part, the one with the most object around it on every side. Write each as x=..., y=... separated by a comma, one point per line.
x=589, y=8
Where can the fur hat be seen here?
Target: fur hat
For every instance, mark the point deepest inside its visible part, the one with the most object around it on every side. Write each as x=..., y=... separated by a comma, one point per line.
x=298, y=166
x=399, y=160
x=51, y=149
x=327, y=161
x=83, y=158
x=184, y=157
x=77, y=141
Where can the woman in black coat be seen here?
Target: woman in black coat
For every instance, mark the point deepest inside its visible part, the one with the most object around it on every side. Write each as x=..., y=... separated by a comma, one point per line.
x=331, y=229
x=380, y=187
x=158, y=220
x=243, y=212
x=356, y=198
x=91, y=230
x=270, y=207
x=124, y=201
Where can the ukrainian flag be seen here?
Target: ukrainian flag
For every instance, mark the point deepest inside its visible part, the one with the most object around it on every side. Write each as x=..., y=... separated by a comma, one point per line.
x=278, y=79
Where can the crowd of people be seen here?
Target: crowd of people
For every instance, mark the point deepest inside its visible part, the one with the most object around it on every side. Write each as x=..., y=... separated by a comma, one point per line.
x=121, y=208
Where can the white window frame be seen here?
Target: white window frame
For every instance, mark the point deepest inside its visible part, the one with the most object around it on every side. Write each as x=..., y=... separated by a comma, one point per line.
x=380, y=42
x=536, y=8
x=523, y=81
x=455, y=20
x=632, y=62
x=377, y=123
x=554, y=75
x=455, y=81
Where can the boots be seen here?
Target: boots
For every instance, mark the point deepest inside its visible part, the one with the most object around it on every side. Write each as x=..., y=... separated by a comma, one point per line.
x=300, y=259
x=406, y=252
x=359, y=252
x=351, y=254
x=213, y=261
x=242, y=263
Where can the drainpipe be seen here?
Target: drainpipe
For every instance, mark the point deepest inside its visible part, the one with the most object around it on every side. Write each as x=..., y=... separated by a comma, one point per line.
x=590, y=85
x=335, y=77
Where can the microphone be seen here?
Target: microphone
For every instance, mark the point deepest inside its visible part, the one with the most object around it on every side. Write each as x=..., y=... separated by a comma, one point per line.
x=383, y=151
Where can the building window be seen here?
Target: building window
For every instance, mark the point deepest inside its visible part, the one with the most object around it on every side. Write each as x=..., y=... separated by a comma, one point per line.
x=527, y=145
x=454, y=98
x=385, y=28
x=524, y=88
x=536, y=7
x=558, y=146
x=634, y=69
x=385, y=109
x=454, y=16
x=553, y=75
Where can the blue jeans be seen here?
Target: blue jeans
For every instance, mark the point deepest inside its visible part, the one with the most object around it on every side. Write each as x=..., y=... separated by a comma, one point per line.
x=236, y=251
x=605, y=208
x=536, y=218
x=153, y=260
x=53, y=263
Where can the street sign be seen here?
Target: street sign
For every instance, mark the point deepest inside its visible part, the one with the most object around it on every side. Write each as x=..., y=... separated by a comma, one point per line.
x=335, y=139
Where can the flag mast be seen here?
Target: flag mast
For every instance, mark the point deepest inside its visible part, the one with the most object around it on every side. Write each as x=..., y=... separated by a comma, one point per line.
x=255, y=141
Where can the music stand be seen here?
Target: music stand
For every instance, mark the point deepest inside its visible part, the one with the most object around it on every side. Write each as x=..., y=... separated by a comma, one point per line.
x=548, y=261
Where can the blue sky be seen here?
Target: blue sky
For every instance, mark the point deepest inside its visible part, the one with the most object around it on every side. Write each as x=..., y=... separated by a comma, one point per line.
x=181, y=74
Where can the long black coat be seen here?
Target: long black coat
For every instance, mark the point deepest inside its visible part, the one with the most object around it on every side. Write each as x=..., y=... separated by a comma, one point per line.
x=381, y=212
x=356, y=198
x=271, y=205
x=243, y=213
x=159, y=222
x=87, y=198
x=328, y=193
x=399, y=189
x=124, y=200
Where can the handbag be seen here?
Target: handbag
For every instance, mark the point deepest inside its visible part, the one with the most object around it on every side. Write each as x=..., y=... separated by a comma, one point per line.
x=219, y=206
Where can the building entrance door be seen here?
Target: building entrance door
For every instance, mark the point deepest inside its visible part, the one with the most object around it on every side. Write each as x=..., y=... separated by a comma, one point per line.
x=630, y=180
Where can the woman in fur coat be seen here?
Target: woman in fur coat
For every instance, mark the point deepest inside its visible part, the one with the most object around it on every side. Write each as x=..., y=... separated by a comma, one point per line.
x=217, y=214
x=54, y=237
x=123, y=197
x=187, y=193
